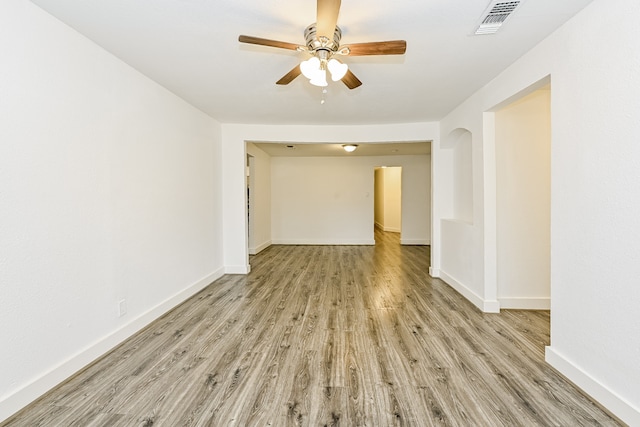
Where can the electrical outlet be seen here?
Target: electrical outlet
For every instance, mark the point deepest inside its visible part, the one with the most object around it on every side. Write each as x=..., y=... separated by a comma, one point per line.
x=122, y=307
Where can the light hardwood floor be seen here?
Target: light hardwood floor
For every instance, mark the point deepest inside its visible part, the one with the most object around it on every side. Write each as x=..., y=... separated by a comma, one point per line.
x=326, y=336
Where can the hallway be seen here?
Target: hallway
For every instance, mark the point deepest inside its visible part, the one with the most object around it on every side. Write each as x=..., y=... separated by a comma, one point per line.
x=326, y=335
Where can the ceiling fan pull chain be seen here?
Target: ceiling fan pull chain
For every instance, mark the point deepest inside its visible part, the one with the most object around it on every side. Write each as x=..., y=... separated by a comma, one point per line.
x=324, y=92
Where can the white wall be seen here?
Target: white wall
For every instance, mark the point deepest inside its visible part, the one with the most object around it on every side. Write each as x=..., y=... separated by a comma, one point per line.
x=234, y=159
x=454, y=256
x=523, y=194
x=462, y=176
x=393, y=198
x=595, y=179
x=109, y=190
x=415, y=209
x=322, y=200
x=260, y=236
x=330, y=200
x=457, y=257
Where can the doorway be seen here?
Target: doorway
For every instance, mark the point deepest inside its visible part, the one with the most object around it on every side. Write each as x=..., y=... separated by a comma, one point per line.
x=523, y=202
x=387, y=211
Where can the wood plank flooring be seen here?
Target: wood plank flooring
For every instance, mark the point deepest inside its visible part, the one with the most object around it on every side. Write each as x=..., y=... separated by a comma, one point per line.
x=326, y=336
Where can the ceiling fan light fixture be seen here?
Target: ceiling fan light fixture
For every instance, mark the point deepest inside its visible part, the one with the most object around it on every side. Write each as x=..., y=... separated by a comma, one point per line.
x=337, y=69
x=310, y=68
x=322, y=42
x=320, y=79
x=350, y=148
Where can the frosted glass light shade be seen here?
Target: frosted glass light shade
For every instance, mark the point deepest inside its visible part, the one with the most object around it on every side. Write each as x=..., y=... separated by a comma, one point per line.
x=337, y=69
x=320, y=79
x=310, y=68
x=350, y=148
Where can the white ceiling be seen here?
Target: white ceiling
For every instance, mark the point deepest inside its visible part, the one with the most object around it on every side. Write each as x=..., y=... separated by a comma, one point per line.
x=191, y=47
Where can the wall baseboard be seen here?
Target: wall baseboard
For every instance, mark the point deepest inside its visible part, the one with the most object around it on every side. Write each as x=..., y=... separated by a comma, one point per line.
x=598, y=391
x=421, y=242
x=487, y=306
x=531, y=303
x=434, y=272
x=11, y=404
x=237, y=269
x=259, y=248
x=337, y=242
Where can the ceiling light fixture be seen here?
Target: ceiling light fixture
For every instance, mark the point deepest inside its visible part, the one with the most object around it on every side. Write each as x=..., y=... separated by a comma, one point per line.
x=315, y=69
x=322, y=50
x=350, y=148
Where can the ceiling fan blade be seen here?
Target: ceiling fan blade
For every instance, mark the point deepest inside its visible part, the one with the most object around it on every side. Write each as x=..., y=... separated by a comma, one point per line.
x=267, y=42
x=350, y=80
x=392, y=47
x=288, y=78
x=327, y=18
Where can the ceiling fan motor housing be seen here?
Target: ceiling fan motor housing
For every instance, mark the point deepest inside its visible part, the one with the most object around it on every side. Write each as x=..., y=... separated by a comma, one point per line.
x=314, y=43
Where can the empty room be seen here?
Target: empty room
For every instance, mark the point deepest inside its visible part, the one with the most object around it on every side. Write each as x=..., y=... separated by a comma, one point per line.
x=319, y=212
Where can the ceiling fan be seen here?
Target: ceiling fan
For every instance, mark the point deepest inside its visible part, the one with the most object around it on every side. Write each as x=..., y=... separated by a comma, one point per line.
x=323, y=44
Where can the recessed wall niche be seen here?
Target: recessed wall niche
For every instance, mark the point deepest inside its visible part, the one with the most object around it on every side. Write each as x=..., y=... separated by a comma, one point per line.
x=460, y=167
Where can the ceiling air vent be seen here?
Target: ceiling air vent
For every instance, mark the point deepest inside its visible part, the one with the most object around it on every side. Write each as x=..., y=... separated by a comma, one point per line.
x=495, y=15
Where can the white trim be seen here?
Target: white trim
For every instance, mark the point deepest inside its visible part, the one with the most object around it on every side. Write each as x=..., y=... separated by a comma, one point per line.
x=324, y=242
x=259, y=248
x=14, y=402
x=423, y=242
x=598, y=391
x=434, y=272
x=487, y=306
x=529, y=303
x=237, y=269
x=491, y=306
x=389, y=229
x=489, y=207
